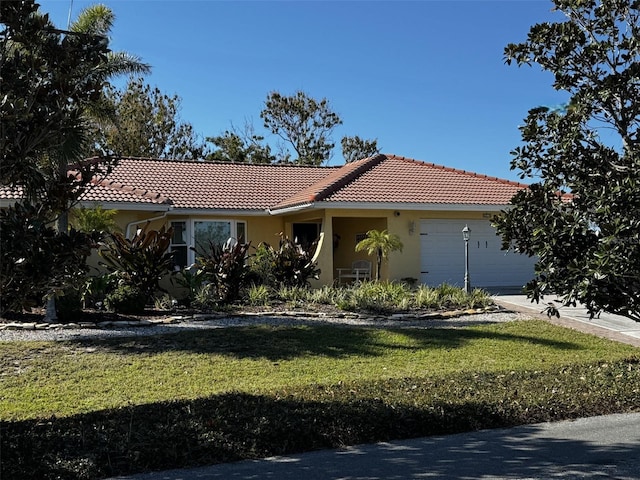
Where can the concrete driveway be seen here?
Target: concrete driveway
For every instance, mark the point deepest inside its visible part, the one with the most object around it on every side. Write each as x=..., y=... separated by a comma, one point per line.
x=590, y=448
x=614, y=327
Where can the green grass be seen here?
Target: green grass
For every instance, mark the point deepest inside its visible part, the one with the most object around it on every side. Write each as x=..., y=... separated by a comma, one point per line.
x=61, y=379
x=82, y=410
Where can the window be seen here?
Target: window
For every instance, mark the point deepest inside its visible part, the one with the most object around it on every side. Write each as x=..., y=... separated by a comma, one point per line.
x=179, y=244
x=210, y=232
x=199, y=234
x=306, y=233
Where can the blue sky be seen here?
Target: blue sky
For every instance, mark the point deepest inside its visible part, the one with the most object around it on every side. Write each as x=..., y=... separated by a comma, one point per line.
x=426, y=79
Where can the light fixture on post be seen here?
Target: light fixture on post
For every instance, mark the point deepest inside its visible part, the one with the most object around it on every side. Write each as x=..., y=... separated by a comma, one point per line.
x=465, y=236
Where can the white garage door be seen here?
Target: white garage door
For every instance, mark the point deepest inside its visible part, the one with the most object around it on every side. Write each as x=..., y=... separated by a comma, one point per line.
x=442, y=256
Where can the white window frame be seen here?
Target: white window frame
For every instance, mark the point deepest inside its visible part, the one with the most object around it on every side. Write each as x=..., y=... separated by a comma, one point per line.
x=236, y=227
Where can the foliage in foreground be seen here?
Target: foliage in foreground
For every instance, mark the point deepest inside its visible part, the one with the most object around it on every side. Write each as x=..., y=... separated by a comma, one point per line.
x=236, y=426
x=37, y=260
x=289, y=264
x=580, y=217
x=225, y=268
x=139, y=264
x=380, y=244
x=376, y=297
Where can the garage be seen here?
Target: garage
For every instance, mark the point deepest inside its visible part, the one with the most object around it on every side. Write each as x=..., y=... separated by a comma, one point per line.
x=442, y=256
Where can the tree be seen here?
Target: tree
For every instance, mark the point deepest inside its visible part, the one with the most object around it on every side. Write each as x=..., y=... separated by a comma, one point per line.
x=98, y=20
x=380, y=244
x=304, y=123
x=355, y=148
x=240, y=147
x=49, y=78
x=48, y=81
x=147, y=125
x=96, y=219
x=581, y=217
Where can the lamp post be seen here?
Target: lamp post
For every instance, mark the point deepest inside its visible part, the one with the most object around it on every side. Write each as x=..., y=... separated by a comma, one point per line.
x=465, y=236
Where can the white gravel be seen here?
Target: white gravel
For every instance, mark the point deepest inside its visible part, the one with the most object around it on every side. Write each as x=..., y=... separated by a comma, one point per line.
x=240, y=321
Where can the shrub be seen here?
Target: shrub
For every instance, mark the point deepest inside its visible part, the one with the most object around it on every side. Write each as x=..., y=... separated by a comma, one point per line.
x=95, y=219
x=293, y=293
x=262, y=265
x=37, y=261
x=478, y=298
x=164, y=302
x=69, y=305
x=225, y=267
x=258, y=295
x=206, y=297
x=126, y=299
x=190, y=278
x=141, y=261
x=448, y=295
x=326, y=294
x=426, y=297
x=95, y=289
x=291, y=265
x=380, y=297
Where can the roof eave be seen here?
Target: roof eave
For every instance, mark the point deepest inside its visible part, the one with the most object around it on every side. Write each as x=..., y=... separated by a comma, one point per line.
x=292, y=209
x=454, y=207
x=237, y=212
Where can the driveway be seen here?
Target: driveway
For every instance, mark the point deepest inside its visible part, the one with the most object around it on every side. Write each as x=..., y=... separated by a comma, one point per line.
x=590, y=448
x=614, y=327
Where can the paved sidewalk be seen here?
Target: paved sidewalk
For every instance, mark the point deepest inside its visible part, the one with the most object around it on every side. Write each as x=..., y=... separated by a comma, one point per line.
x=614, y=327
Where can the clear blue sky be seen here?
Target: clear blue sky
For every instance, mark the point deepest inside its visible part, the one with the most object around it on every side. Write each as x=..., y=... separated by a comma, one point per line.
x=426, y=79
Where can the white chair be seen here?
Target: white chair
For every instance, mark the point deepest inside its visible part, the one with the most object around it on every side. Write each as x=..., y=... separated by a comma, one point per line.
x=360, y=271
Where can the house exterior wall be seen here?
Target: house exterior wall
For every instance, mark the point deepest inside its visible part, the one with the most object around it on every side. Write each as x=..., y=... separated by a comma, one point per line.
x=349, y=224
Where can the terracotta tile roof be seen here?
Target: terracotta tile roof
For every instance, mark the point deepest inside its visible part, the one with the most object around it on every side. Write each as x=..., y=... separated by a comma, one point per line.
x=102, y=191
x=107, y=191
x=331, y=183
x=394, y=179
x=213, y=185
x=382, y=179
x=12, y=194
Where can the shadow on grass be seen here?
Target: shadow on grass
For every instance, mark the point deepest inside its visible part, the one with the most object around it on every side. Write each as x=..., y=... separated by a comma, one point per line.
x=283, y=343
x=237, y=426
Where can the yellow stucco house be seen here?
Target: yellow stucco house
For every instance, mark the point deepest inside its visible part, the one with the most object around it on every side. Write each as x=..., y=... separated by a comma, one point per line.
x=426, y=205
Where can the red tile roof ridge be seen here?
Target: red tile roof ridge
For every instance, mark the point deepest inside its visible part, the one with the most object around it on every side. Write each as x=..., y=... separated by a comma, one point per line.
x=221, y=162
x=332, y=183
x=458, y=170
x=343, y=176
x=147, y=194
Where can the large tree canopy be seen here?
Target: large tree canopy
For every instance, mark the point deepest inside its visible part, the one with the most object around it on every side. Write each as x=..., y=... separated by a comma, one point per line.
x=240, y=147
x=305, y=123
x=147, y=124
x=356, y=148
x=581, y=215
x=304, y=127
x=49, y=79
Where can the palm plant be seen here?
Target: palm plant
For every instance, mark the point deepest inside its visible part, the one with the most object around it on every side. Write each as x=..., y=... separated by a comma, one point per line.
x=98, y=20
x=380, y=244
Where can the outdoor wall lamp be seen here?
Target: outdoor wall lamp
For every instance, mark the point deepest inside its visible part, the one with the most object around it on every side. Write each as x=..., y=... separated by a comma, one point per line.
x=465, y=237
x=412, y=227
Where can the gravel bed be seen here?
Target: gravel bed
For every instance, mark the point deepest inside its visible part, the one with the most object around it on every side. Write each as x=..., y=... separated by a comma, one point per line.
x=246, y=320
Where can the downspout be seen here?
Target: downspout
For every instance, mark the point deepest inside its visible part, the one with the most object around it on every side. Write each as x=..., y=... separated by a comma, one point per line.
x=153, y=219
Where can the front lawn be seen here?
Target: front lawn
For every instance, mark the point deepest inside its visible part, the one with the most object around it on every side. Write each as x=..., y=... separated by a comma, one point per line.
x=94, y=408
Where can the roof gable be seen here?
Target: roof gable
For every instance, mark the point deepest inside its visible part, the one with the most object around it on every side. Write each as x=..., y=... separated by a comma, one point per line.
x=400, y=180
